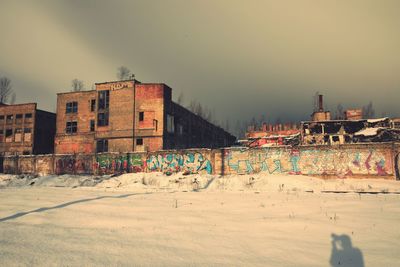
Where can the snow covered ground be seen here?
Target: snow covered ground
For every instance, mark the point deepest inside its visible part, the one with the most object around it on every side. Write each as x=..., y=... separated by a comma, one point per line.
x=156, y=220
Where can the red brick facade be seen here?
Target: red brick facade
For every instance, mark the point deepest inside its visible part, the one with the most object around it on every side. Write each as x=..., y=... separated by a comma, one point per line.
x=24, y=129
x=124, y=116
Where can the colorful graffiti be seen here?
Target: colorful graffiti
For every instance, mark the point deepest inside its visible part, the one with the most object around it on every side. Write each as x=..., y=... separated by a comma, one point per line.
x=188, y=163
x=336, y=162
x=111, y=163
x=72, y=165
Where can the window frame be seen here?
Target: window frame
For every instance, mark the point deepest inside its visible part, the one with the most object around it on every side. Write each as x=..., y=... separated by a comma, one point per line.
x=71, y=127
x=71, y=107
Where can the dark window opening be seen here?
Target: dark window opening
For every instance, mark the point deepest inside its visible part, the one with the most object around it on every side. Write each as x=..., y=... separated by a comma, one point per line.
x=335, y=138
x=102, y=119
x=10, y=119
x=92, y=105
x=28, y=116
x=139, y=141
x=326, y=138
x=141, y=116
x=92, y=125
x=1, y=117
x=71, y=127
x=155, y=124
x=72, y=107
x=18, y=116
x=316, y=129
x=102, y=145
x=26, y=152
x=332, y=127
x=27, y=130
x=9, y=132
x=104, y=99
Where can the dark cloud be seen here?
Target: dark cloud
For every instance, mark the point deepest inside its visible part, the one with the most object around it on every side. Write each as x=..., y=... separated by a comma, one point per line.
x=241, y=58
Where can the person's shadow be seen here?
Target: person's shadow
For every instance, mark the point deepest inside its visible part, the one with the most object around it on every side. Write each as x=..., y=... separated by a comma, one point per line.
x=344, y=254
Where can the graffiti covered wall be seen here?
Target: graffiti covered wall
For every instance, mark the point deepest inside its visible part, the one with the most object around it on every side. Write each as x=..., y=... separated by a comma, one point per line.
x=357, y=160
x=323, y=161
x=187, y=162
x=107, y=163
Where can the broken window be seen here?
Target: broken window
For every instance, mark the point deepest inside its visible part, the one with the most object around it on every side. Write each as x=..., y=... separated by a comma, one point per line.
x=10, y=119
x=139, y=141
x=9, y=135
x=92, y=105
x=18, y=118
x=180, y=129
x=316, y=129
x=170, y=124
x=28, y=117
x=102, y=145
x=27, y=134
x=332, y=128
x=71, y=127
x=92, y=125
x=102, y=119
x=104, y=99
x=18, y=135
x=72, y=107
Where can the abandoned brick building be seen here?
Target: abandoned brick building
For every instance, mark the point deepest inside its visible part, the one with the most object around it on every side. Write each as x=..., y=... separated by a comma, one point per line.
x=25, y=130
x=124, y=116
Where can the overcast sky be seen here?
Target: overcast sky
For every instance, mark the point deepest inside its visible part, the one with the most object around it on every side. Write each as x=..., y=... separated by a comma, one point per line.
x=240, y=58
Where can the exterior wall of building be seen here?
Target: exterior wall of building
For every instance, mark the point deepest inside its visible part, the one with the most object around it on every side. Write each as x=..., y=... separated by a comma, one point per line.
x=26, y=130
x=353, y=114
x=83, y=140
x=119, y=131
x=192, y=131
x=321, y=116
x=151, y=102
x=141, y=117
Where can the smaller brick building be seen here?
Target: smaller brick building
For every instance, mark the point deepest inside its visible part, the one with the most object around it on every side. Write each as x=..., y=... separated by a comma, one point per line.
x=125, y=116
x=25, y=130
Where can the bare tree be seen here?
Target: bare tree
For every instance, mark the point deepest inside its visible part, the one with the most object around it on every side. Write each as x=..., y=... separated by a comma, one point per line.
x=227, y=125
x=5, y=89
x=180, y=99
x=339, y=112
x=199, y=110
x=123, y=73
x=77, y=85
x=368, y=111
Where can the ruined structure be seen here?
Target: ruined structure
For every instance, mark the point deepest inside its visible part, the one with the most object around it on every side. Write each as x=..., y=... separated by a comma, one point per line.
x=26, y=130
x=126, y=116
x=272, y=135
x=336, y=132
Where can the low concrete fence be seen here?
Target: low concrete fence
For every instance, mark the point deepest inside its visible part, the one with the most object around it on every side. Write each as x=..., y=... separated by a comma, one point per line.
x=351, y=160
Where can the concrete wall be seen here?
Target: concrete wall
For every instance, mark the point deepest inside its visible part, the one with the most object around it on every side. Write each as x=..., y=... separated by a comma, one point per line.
x=336, y=161
x=347, y=161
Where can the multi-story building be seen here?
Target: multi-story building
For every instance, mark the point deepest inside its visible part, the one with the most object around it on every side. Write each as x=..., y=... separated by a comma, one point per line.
x=124, y=116
x=25, y=130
